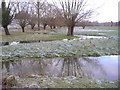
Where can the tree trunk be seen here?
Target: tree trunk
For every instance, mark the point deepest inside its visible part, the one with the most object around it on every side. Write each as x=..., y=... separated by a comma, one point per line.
x=83, y=27
x=6, y=31
x=50, y=27
x=70, y=30
x=38, y=12
x=23, y=30
x=44, y=26
x=38, y=25
x=119, y=24
x=54, y=27
x=32, y=26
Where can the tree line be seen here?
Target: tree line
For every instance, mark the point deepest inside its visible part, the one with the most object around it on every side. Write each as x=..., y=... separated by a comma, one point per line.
x=67, y=13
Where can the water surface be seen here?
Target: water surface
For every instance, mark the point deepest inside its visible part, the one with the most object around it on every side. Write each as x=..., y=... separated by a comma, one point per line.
x=105, y=67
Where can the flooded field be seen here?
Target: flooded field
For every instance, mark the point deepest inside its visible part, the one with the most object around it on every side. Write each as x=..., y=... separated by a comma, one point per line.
x=89, y=59
x=104, y=67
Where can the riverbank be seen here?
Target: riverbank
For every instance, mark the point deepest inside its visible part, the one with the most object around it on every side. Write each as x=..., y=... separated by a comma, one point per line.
x=63, y=82
x=68, y=82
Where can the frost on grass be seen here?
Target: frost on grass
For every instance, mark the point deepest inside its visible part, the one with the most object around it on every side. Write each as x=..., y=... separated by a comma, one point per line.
x=68, y=82
x=91, y=47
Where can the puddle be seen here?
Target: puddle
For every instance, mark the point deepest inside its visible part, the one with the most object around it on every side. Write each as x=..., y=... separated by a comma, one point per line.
x=91, y=37
x=97, y=67
x=93, y=30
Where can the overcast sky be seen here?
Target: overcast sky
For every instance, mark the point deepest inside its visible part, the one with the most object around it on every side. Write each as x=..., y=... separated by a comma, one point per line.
x=107, y=11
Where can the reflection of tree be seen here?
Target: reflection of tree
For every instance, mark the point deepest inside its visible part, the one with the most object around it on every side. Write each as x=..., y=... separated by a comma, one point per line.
x=41, y=65
x=23, y=67
x=69, y=66
x=7, y=64
x=78, y=66
x=95, y=64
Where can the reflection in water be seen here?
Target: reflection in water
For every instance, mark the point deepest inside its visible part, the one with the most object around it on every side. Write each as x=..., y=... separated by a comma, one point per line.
x=95, y=67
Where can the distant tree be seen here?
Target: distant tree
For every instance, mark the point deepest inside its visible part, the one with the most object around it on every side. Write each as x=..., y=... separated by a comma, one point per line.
x=116, y=23
x=52, y=14
x=59, y=21
x=51, y=23
x=32, y=21
x=84, y=24
x=119, y=23
x=73, y=11
x=39, y=6
x=48, y=21
x=0, y=15
x=33, y=17
x=111, y=23
x=44, y=21
x=22, y=19
x=48, y=15
x=7, y=16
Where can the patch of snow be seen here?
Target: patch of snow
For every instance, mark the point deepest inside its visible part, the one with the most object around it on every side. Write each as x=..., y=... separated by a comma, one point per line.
x=98, y=82
x=65, y=39
x=14, y=43
x=34, y=85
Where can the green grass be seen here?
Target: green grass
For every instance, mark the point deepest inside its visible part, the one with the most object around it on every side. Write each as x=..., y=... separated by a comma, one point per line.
x=30, y=35
x=60, y=33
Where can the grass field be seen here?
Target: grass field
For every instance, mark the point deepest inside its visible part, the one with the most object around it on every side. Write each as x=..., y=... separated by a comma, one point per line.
x=103, y=27
x=59, y=33
x=91, y=47
x=31, y=35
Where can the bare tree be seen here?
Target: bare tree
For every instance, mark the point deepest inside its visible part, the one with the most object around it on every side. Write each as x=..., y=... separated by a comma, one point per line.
x=32, y=21
x=48, y=15
x=111, y=23
x=52, y=14
x=22, y=17
x=0, y=16
x=72, y=12
x=8, y=12
x=84, y=24
x=39, y=5
x=33, y=18
x=118, y=23
x=44, y=21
